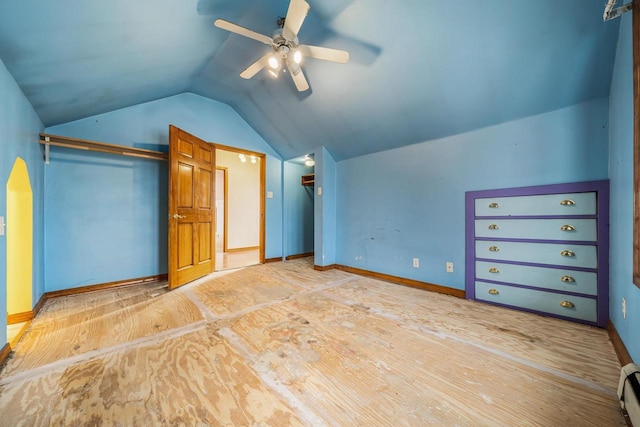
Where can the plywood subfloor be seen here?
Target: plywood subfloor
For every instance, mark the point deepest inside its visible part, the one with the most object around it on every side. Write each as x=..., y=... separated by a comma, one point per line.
x=282, y=344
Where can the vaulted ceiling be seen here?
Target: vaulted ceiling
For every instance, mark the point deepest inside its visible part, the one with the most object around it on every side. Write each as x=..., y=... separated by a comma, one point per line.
x=419, y=69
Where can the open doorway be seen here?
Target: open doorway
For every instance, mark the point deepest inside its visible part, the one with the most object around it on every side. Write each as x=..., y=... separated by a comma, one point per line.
x=299, y=182
x=239, y=208
x=19, y=250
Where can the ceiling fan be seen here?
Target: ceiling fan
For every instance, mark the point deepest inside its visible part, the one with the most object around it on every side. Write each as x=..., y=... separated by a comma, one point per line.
x=285, y=48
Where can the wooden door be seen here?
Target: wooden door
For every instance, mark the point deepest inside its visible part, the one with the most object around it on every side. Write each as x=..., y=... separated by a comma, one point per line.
x=192, y=168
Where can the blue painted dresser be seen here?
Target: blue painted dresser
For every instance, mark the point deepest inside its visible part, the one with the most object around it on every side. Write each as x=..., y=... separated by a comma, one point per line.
x=542, y=249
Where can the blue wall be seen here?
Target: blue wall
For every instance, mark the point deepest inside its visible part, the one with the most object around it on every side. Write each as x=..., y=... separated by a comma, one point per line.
x=621, y=174
x=19, y=129
x=325, y=219
x=298, y=210
x=408, y=203
x=106, y=216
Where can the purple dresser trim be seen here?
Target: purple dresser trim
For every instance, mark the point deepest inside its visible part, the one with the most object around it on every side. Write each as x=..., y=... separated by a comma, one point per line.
x=575, y=187
x=554, y=291
x=535, y=264
x=528, y=310
x=560, y=242
x=603, y=253
x=470, y=244
x=602, y=189
x=538, y=217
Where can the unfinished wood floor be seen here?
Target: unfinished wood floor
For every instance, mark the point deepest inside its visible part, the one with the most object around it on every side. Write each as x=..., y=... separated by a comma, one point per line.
x=282, y=344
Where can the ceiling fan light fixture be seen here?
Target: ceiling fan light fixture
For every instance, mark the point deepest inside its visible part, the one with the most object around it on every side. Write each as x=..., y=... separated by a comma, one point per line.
x=297, y=56
x=274, y=62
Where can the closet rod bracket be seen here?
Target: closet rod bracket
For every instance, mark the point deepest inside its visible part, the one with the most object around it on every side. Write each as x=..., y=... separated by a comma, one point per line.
x=611, y=13
x=46, y=150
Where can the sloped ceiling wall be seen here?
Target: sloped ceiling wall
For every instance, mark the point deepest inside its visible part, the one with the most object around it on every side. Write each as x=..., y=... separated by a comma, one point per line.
x=419, y=69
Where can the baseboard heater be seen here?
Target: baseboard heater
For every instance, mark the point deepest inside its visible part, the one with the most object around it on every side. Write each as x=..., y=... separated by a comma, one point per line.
x=629, y=392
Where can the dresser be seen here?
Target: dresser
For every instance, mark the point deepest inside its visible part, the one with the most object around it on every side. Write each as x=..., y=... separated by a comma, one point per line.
x=541, y=249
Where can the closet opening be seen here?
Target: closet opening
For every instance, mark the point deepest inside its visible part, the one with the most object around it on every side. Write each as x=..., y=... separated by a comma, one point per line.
x=299, y=179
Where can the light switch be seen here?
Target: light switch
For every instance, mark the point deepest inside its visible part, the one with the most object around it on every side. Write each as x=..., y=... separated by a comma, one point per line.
x=319, y=191
x=269, y=194
x=2, y=224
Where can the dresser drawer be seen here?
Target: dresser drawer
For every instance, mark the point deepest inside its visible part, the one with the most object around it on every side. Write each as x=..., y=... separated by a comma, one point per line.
x=584, y=256
x=546, y=204
x=542, y=229
x=548, y=302
x=581, y=282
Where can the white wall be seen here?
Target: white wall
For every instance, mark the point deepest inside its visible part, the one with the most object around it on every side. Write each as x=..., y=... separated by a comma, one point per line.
x=220, y=176
x=243, y=187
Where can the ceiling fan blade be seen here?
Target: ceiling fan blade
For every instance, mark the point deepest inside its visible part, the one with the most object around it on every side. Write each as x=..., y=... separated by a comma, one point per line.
x=298, y=76
x=253, y=69
x=296, y=14
x=237, y=29
x=317, y=52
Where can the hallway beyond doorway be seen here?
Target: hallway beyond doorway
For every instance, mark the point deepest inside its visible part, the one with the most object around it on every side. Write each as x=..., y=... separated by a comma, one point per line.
x=236, y=259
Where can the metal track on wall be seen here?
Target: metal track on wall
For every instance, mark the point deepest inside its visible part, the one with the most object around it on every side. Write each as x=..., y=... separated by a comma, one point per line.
x=82, y=144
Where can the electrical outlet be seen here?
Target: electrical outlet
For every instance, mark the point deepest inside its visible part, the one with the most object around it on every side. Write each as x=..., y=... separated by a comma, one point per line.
x=449, y=267
x=416, y=263
x=624, y=308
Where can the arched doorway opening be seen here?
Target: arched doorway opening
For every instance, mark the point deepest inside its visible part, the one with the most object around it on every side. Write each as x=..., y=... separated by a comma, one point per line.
x=19, y=246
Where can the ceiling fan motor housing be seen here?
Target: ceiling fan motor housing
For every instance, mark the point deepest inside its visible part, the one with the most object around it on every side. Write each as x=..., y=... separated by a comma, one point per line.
x=280, y=42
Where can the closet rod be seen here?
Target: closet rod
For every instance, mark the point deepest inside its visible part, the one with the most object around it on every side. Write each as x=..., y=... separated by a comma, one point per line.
x=82, y=144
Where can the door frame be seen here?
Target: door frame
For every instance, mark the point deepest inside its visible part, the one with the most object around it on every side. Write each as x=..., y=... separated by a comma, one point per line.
x=225, y=213
x=263, y=187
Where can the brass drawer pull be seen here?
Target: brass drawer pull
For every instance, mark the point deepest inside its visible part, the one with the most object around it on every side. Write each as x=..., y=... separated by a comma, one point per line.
x=568, y=227
x=494, y=248
x=493, y=205
x=568, y=202
x=567, y=304
x=567, y=253
x=493, y=227
x=494, y=292
x=567, y=279
x=494, y=270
